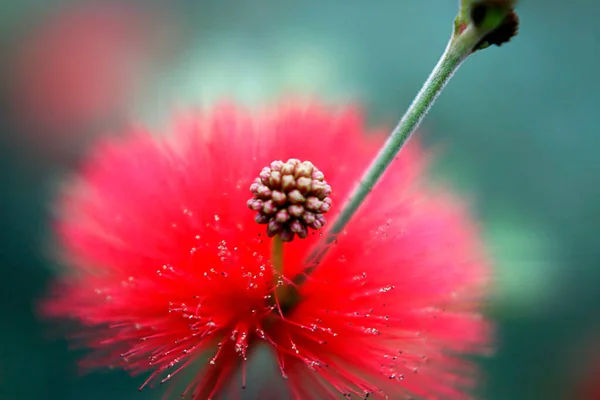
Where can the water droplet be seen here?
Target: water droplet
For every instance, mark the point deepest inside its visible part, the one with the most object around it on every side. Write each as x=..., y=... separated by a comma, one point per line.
x=371, y=331
x=386, y=289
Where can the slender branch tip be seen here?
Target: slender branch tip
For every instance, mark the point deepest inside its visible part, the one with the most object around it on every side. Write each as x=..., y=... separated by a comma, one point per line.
x=479, y=24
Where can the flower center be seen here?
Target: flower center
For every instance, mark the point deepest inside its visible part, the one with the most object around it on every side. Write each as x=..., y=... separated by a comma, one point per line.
x=289, y=198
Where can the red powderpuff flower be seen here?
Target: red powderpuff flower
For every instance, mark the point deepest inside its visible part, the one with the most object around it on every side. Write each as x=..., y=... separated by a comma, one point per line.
x=169, y=266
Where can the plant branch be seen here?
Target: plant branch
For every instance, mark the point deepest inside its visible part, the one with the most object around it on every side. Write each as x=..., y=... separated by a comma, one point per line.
x=467, y=38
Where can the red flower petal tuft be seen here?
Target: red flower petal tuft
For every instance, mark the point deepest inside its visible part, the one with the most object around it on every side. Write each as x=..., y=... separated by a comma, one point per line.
x=168, y=264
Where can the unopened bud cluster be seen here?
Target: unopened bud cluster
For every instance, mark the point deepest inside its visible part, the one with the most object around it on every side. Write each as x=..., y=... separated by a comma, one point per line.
x=289, y=198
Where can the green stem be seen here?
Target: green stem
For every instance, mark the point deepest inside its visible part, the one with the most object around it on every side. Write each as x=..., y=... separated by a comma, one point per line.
x=458, y=49
x=286, y=295
x=277, y=255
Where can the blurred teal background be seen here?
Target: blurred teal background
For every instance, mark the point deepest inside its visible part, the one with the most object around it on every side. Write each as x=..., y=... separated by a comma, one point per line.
x=515, y=130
